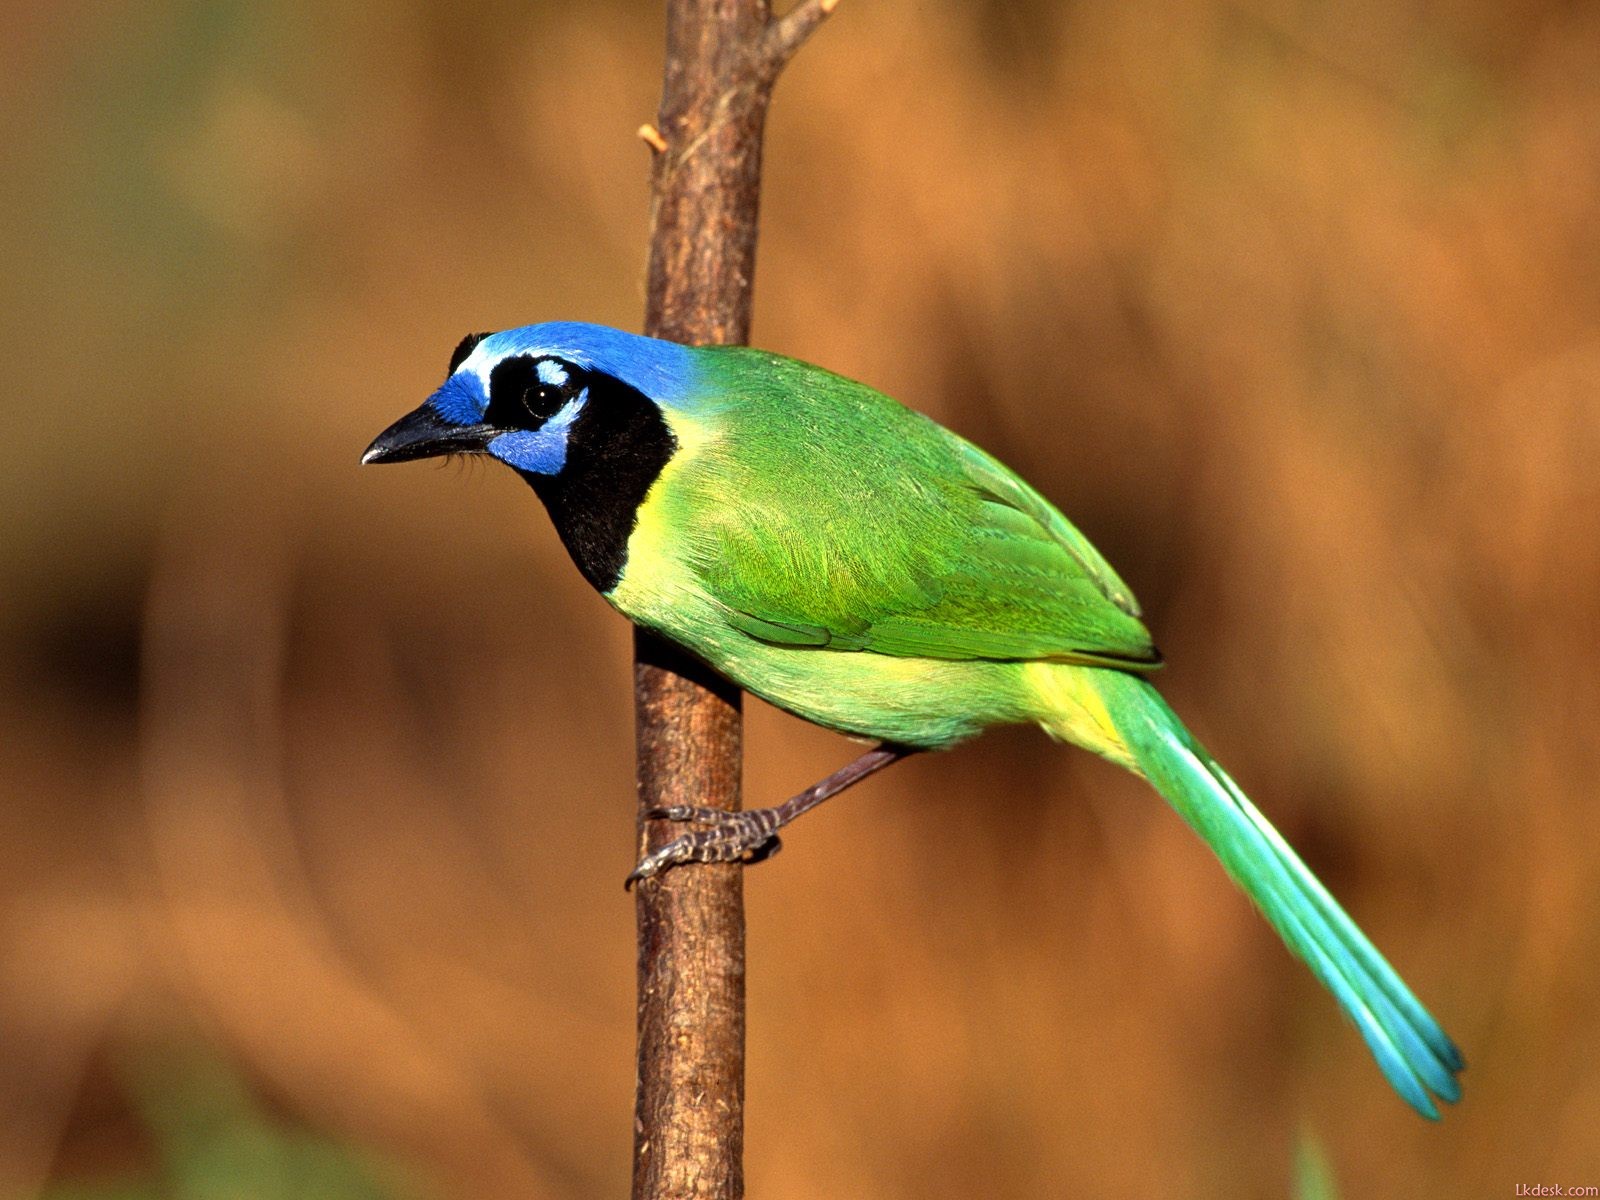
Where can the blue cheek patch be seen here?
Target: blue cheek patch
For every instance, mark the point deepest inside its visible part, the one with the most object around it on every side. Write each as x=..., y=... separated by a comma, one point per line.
x=542, y=451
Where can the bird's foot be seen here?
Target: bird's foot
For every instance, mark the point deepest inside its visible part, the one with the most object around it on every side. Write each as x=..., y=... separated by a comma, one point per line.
x=751, y=836
x=732, y=837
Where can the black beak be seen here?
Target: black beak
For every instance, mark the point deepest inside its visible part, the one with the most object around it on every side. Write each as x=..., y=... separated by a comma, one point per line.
x=425, y=434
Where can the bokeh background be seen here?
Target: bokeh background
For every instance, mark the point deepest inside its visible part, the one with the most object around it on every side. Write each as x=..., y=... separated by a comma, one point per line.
x=316, y=780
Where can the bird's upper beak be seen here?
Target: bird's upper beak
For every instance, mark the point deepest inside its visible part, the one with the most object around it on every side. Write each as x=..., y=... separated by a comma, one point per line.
x=424, y=433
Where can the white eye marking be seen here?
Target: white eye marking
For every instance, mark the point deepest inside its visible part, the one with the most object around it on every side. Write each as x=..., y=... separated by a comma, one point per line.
x=480, y=364
x=551, y=372
x=563, y=420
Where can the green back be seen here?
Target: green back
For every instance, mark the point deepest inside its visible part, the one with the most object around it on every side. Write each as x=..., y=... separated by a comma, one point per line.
x=822, y=513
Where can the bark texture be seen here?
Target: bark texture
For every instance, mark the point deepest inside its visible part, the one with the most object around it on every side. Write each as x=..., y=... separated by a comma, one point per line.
x=722, y=59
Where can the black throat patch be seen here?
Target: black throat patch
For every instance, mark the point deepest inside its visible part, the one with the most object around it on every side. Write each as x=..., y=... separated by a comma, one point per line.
x=618, y=446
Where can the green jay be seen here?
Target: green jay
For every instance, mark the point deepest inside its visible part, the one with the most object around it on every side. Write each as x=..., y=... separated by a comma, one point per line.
x=857, y=564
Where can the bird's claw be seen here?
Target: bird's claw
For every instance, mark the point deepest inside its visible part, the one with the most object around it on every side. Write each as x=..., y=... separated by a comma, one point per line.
x=748, y=837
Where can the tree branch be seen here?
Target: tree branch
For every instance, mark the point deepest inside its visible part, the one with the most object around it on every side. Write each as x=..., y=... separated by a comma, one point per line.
x=723, y=57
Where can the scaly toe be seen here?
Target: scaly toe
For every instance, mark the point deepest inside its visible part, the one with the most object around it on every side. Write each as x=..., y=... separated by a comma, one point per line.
x=685, y=812
x=731, y=840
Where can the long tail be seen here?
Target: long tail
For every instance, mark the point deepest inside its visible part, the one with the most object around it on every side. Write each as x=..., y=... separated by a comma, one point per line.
x=1144, y=734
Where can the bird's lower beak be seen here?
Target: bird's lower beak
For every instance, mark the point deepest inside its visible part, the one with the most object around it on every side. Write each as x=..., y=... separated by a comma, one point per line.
x=425, y=434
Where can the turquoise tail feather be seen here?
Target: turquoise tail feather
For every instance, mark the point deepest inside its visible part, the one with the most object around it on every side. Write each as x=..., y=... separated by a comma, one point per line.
x=1412, y=1050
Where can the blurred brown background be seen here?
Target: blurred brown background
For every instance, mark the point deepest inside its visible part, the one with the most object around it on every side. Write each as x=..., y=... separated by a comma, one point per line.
x=316, y=781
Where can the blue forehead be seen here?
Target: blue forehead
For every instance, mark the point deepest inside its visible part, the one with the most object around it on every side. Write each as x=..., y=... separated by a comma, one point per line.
x=663, y=371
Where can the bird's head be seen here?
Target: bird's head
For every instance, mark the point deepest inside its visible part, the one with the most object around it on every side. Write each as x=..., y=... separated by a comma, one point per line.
x=531, y=396
x=588, y=415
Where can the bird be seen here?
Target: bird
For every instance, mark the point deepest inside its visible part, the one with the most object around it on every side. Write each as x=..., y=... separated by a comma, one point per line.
x=855, y=563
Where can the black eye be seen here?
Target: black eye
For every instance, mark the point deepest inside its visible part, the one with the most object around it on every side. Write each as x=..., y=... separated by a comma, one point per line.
x=463, y=348
x=526, y=392
x=543, y=400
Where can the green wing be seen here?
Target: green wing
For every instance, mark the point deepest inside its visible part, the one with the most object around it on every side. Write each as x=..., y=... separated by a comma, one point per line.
x=831, y=516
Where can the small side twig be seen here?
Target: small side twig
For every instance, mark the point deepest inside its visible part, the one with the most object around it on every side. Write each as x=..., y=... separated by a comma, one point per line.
x=788, y=33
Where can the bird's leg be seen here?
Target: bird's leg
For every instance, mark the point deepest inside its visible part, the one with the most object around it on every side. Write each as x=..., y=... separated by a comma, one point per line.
x=752, y=835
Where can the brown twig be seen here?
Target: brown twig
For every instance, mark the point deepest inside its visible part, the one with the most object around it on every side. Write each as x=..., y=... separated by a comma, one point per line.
x=723, y=57
x=788, y=33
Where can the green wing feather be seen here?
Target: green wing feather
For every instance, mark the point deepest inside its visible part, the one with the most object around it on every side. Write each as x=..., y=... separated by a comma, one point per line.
x=844, y=520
